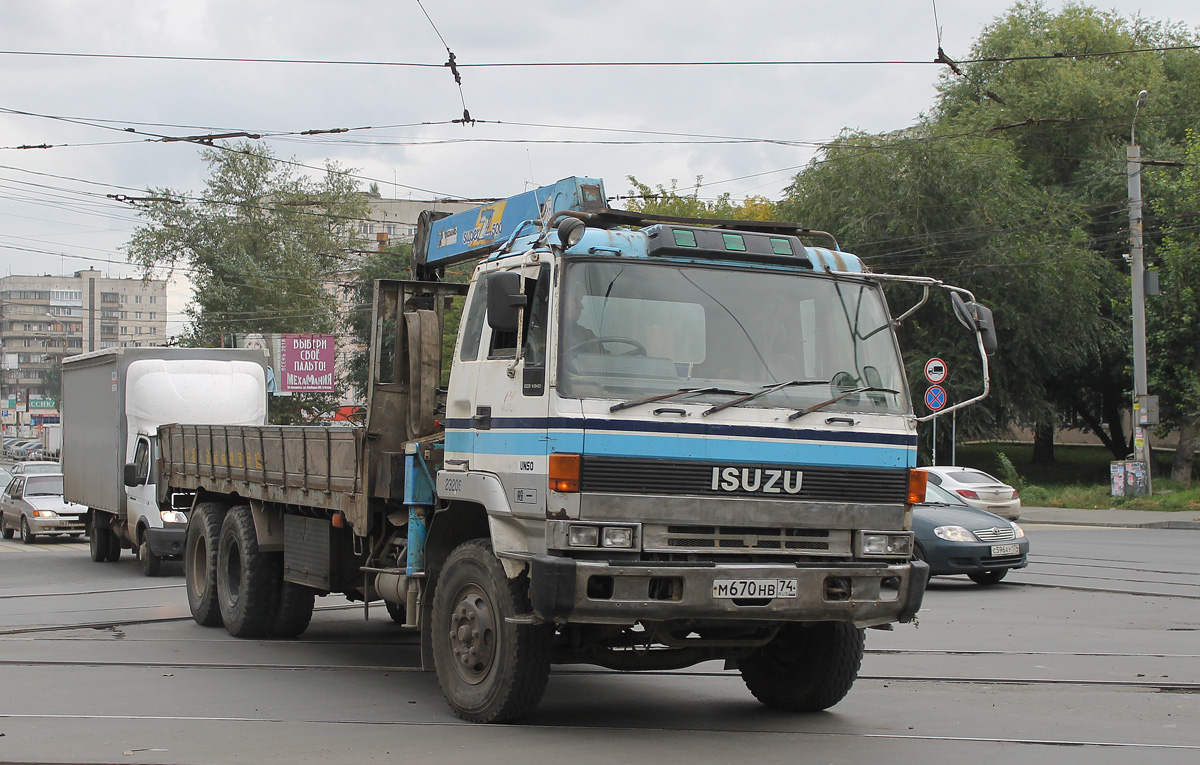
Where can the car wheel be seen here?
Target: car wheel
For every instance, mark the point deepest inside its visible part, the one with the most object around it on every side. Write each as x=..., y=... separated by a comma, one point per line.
x=490, y=669
x=26, y=534
x=200, y=562
x=805, y=668
x=5, y=531
x=247, y=582
x=988, y=577
x=97, y=538
x=151, y=563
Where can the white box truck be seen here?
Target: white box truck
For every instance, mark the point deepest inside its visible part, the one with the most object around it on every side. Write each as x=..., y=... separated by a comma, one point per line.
x=51, y=441
x=112, y=404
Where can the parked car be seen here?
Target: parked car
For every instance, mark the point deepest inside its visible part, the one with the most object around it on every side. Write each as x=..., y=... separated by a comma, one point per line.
x=956, y=538
x=35, y=466
x=5, y=476
x=977, y=489
x=34, y=505
x=11, y=448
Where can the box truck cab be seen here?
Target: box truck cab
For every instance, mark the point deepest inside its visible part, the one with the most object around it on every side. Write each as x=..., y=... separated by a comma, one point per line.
x=113, y=403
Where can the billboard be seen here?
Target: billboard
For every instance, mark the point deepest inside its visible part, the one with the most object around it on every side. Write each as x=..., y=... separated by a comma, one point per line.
x=299, y=363
x=306, y=363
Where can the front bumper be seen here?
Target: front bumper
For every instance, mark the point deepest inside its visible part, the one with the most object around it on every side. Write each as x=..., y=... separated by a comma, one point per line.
x=62, y=524
x=863, y=593
x=972, y=557
x=167, y=541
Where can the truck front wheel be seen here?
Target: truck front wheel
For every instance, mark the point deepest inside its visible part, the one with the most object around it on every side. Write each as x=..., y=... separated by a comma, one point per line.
x=247, y=582
x=490, y=670
x=200, y=562
x=151, y=563
x=805, y=668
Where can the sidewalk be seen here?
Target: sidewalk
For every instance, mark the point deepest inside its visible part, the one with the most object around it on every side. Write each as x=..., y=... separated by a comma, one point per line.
x=1136, y=519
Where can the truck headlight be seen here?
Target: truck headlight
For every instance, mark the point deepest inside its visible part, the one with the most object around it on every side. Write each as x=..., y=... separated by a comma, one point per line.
x=616, y=536
x=172, y=516
x=583, y=536
x=881, y=543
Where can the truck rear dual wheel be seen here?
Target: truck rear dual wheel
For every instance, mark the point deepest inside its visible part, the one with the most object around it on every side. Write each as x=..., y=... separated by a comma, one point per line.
x=200, y=562
x=248, y=580
x=103, y=543
x=805, y=668
x=490, y=670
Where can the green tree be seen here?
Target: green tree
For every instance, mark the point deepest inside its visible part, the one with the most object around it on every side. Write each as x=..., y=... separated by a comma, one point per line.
x=259, y=244
x=1010, y=134
x=965, y=212
x=1173, y=318
x=661, y=200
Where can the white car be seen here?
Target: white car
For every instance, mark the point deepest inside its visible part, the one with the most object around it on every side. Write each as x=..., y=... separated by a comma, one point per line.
x=977, y=489
x=34, y=505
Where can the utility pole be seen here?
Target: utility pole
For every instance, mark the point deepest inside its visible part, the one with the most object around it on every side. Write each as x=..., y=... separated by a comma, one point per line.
x=1141, y=448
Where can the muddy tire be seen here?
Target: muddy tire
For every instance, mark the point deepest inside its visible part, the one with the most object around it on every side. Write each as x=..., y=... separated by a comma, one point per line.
x=248, y=582
x=805, y=669
x=151, y=563
x=113, y=543
x=200, y=562
x=490, y=670
x=295, y=608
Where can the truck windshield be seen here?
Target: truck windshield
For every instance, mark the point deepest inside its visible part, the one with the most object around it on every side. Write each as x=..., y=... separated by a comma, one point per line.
x=637, y=329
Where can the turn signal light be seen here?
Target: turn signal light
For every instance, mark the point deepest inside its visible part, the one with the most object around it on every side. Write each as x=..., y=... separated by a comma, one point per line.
x=917, y=480
x=564, y=472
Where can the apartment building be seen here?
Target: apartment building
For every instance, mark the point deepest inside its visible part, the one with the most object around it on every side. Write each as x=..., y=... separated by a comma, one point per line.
x=43, y=318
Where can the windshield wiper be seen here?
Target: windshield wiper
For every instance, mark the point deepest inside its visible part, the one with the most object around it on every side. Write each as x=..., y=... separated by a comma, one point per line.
x=815, y=407
x=766, y=389
x=665, y=396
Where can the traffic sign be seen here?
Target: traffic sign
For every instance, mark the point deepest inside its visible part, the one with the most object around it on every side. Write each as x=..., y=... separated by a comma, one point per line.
x=935, y=397
x=936, y=370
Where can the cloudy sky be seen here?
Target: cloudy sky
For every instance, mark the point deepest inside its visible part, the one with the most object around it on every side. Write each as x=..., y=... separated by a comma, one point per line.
x=193, y=67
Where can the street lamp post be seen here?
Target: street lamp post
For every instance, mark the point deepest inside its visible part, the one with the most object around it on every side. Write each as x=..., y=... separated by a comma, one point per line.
x=1141, y=448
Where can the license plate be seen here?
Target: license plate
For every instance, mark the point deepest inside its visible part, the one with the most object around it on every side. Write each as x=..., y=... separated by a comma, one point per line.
x=1000, y=551
x=754, y=588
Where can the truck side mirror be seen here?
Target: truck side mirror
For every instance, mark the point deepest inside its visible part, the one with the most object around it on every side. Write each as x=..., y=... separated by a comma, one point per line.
x=977, y=318
x=131, y=475
x=504, y=301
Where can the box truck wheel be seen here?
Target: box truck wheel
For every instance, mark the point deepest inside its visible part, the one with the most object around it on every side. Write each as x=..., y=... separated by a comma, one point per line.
x=490, y=670
x=114, y=544
x=151, y=563
x=200, y=562
x=805, y=669
x=98, y=536
x=247, y=583
x=295, y=607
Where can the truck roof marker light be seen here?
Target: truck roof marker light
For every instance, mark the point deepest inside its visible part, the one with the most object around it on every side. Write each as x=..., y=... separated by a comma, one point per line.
x=564, y=472
x=734, y=242
x=683, y=237
x=917, y=481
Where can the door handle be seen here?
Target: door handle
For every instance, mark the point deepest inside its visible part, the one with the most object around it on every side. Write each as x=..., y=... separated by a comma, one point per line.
x=483, y=418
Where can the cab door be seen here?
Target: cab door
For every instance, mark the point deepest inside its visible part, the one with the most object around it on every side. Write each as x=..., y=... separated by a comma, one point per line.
x=508, y=421
x=140, y=499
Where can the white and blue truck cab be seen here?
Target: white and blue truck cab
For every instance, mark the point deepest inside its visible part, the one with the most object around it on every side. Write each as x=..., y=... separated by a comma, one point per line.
x=681, y=440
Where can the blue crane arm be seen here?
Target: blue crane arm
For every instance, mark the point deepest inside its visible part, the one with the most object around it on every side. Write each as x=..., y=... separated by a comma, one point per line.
x=444, y=240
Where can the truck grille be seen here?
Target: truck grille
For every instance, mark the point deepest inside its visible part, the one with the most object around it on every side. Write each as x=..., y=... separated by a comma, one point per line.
x=806, y=483
x=744, y=539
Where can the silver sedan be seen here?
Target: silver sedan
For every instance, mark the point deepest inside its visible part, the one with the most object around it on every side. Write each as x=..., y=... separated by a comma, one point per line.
x=34, y=504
